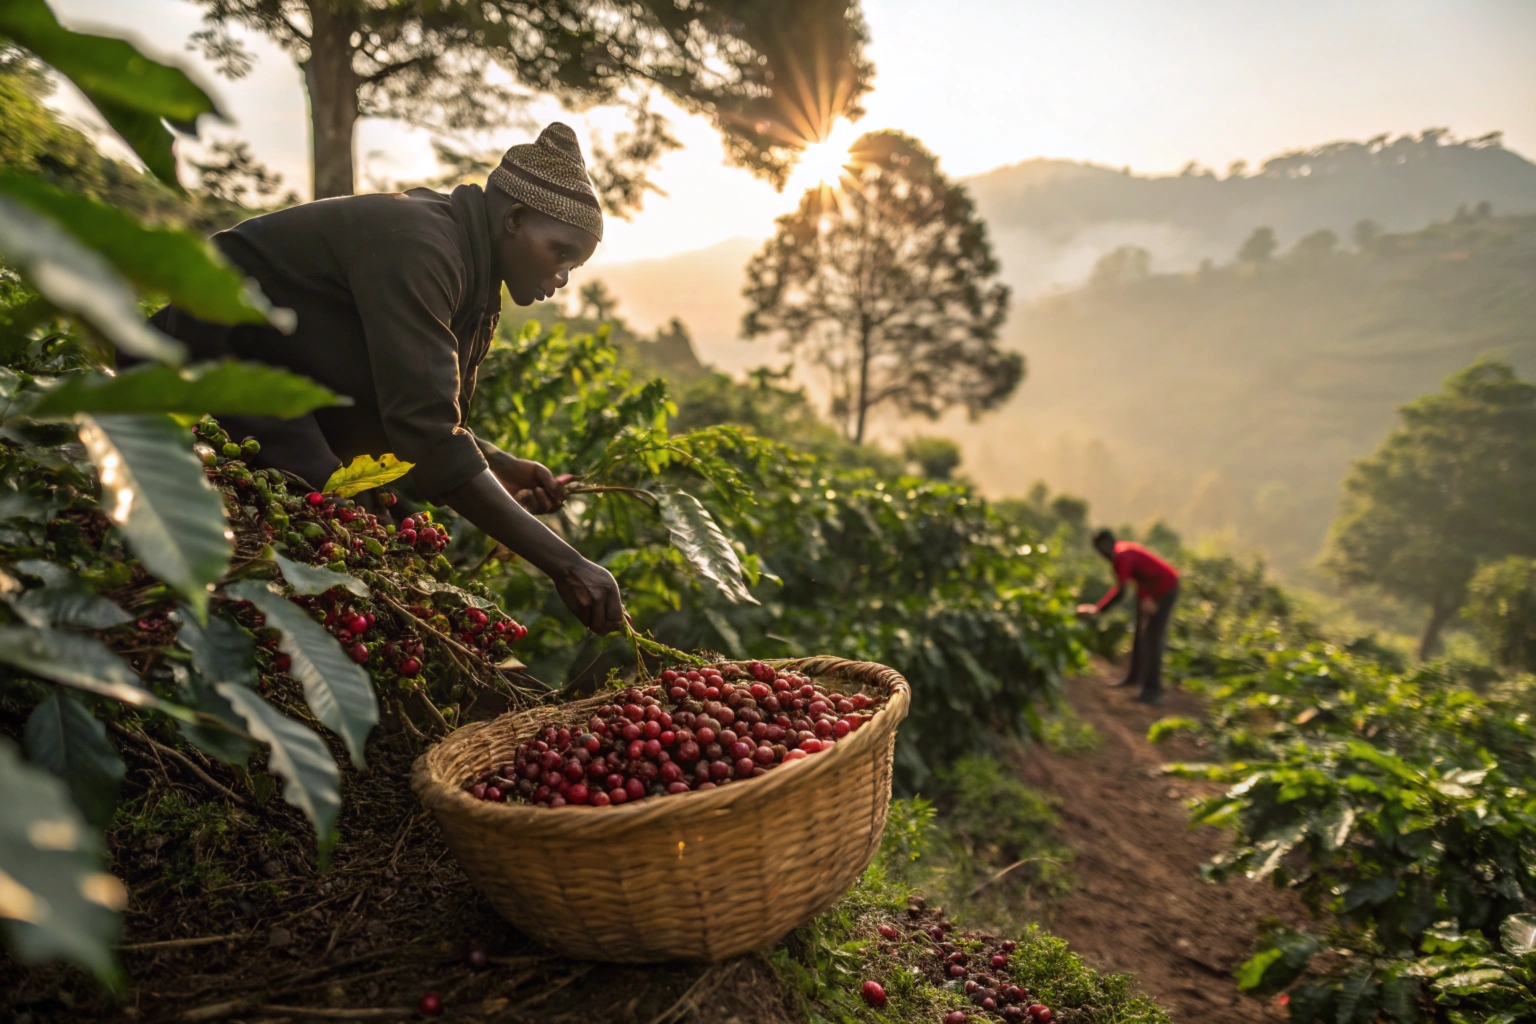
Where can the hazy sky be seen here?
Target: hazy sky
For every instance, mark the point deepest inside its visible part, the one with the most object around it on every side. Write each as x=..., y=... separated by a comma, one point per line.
x=1146, y=83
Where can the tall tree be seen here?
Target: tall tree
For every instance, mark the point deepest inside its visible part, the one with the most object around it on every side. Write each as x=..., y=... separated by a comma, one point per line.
x=887, y=283
x=1449, y=489
x=771, y=76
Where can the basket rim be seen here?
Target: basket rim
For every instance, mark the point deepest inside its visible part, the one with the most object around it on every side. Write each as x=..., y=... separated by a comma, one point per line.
x=442, y=796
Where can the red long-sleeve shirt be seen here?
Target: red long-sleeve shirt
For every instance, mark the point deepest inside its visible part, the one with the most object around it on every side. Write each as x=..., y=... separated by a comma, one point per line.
x=1154, y=577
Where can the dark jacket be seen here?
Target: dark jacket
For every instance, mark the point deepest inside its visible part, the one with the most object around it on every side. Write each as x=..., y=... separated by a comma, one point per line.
x=396, y=302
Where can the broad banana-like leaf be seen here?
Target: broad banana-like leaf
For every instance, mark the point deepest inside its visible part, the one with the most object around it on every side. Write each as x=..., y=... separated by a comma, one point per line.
x=177, y=264
x=133, y=92
x=62, y=600
x=228, y=388
x=56, y=899
x=78, y=281
x=82, y=662
x=155, y=489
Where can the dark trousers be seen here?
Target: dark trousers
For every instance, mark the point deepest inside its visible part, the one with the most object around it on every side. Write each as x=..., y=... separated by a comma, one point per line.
x=1147, y=652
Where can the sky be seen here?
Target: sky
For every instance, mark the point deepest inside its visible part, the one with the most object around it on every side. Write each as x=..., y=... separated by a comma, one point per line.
x=1149, y=84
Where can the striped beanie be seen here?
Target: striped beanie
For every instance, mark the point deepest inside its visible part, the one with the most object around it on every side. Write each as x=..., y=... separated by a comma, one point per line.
x=550, y=176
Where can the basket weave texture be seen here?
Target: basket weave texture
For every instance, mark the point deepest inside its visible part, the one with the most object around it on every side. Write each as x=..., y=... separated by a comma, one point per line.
x=696, y=876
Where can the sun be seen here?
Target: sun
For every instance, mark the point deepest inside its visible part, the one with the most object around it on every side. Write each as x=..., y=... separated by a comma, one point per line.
x=822, y=162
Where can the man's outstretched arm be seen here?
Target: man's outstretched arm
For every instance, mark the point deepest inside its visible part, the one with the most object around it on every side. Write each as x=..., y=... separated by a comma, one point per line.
x=588, y=590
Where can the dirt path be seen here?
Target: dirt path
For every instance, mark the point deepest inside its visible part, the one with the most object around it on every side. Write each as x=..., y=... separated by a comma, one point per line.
x=1140, y=905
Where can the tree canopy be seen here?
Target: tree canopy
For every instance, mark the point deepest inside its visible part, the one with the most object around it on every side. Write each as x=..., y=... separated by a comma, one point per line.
x=772, y=77
x=888, y=284
x=1449, y=489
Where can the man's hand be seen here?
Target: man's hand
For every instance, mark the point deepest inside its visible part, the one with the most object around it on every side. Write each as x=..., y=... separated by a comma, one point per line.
x=1087, y=610
x=592, y=595
x=1148, y=606
x=531, y=483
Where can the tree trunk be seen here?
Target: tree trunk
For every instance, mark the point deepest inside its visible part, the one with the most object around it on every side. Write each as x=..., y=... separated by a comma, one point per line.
x=332, y=85
x=863, y=407
x=1440, y=612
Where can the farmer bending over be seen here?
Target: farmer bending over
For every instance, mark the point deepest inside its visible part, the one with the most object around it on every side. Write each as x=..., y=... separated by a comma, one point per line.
x=397, y=298
x=1157, y=587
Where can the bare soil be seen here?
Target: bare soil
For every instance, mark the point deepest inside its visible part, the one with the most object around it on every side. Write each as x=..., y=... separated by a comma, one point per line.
x=1140, y=905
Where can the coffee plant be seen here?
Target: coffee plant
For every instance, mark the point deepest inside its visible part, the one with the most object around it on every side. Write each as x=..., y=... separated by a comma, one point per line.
x=1398, y=803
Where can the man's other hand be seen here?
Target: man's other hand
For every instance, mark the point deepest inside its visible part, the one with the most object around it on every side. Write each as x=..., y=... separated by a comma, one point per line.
x=592, y=595
x=531, y=483
x=1087, y=610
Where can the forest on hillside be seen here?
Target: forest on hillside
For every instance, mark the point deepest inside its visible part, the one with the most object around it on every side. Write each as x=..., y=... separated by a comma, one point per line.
x=1231, y=399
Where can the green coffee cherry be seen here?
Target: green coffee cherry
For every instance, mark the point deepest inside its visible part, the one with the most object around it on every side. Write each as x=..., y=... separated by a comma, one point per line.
x=372, y=546
x=314, y=531
x=231, y=451
x=294, y=540
x=209, y=458
x=250, y=446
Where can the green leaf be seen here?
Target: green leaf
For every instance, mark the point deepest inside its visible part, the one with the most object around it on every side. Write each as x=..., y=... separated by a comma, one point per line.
x=316, y=579
x=365, y=473
x=64, y=737
x=224, y=737
x=155, y=489
x=63, y=600
x=1518, y=934
x=221, y=389
x=78, y=281
x=177, y=264
x=81, y=662
x=132, y=92
x=336, y=688
x=221, y=651
x=706, y=547
x=56, y=900
x=1165, y=727
x=311, y=780
x=1278, y=964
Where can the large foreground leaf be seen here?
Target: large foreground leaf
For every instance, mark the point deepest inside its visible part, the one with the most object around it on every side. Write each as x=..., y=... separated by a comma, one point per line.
x=311, y=780
x=365, y=473
x=176, y=264
x=64, y=737
x=55, y=898
x=132, y=92
x=222, y=389
x=78, y=281
x=316, y=579
x=63, y=600
x=222, y=652
x=336, y=688
x=696, y=534
x=81, y=662
x=155, y=490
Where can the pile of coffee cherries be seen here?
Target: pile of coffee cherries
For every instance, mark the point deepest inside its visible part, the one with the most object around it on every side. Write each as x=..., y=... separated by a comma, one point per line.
x=977, y=967
x=693, y=730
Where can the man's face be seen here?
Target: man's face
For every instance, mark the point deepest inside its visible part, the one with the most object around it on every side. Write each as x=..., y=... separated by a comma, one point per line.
x=535, y=253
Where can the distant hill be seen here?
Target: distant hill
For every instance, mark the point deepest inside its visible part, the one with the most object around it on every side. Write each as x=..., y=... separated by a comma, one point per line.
x=1231, y=399
x=1052, y=219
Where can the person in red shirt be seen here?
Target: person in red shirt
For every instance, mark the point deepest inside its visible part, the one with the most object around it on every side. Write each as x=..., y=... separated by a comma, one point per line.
x=1157, y=588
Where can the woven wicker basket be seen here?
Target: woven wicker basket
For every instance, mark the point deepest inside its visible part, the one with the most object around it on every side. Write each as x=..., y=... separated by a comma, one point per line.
x=698, y=876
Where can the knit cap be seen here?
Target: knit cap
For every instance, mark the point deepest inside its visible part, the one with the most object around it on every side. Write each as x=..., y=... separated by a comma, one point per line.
x=550, y=176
